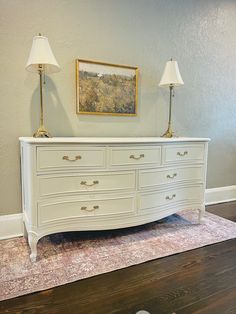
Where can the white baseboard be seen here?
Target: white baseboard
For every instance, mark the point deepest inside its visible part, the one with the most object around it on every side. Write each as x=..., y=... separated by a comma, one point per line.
x=11, y=226
x=220, y=195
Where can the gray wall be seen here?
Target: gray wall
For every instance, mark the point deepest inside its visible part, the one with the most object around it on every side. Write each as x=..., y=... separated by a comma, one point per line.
x=144, y=33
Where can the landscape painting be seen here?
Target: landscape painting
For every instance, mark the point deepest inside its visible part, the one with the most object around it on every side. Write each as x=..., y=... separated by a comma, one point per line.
x=107, y=89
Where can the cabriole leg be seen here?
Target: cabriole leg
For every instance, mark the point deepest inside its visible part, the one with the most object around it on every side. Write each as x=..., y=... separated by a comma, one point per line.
x=33, y=240
x=201, y=213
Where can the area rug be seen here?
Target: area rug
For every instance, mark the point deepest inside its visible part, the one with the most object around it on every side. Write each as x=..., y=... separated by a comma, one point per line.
x=67, y=257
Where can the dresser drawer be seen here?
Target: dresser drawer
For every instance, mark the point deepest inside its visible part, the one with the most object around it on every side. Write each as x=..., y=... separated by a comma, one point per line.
x=50, y=158
x=71, y=183
x=141, y=156
x=183, y=153
x=156, y=177
x=151, y=200
x=89, y=206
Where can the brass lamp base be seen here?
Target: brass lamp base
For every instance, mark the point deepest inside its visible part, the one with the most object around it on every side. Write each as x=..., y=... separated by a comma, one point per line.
x=42, y=132
x=168, y=133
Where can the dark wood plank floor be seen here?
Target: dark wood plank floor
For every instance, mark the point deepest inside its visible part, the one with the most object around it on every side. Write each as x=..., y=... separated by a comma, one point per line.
x=198, y=281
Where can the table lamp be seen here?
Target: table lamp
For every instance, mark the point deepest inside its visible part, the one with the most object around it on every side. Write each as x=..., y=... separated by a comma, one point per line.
x=171, y=77
x=42, y=61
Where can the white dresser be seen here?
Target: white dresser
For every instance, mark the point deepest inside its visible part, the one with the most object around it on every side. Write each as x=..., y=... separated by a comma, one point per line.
x=74, y=183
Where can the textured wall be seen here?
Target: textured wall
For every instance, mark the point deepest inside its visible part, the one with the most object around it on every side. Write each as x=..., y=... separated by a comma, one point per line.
x=145, y=33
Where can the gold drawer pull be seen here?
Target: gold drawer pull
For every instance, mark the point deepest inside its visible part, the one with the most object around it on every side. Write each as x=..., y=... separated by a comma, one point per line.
x=136, y=158
x=171, y=176
x=89, y=210
x=169, y=198
x=87, y=184
x=182, y=154
x=67, y=158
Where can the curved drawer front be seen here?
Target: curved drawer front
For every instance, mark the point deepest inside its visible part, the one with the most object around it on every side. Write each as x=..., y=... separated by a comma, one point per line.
x=68, y=157
x=60, y=210
x=183, y=153
x=135, y=156
x=151, y=200
x=156, y=177
x=96, y=182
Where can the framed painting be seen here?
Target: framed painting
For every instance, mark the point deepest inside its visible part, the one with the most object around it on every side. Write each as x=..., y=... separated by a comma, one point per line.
x=106, y=89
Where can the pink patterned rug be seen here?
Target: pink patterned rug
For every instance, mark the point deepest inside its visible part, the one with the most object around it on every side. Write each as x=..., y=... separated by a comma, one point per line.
x=67, y=257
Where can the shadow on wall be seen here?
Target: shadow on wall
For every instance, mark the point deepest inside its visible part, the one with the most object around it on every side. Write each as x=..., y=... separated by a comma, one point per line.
x=55, y=119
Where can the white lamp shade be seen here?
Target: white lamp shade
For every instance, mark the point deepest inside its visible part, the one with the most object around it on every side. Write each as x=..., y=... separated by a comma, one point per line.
x=41, y=53
x=171, y=75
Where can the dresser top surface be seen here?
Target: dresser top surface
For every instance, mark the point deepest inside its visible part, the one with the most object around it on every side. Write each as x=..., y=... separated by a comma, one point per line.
x=110, y=140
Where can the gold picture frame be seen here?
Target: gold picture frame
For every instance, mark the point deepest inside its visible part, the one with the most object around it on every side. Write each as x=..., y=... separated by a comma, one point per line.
x=106, y=88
